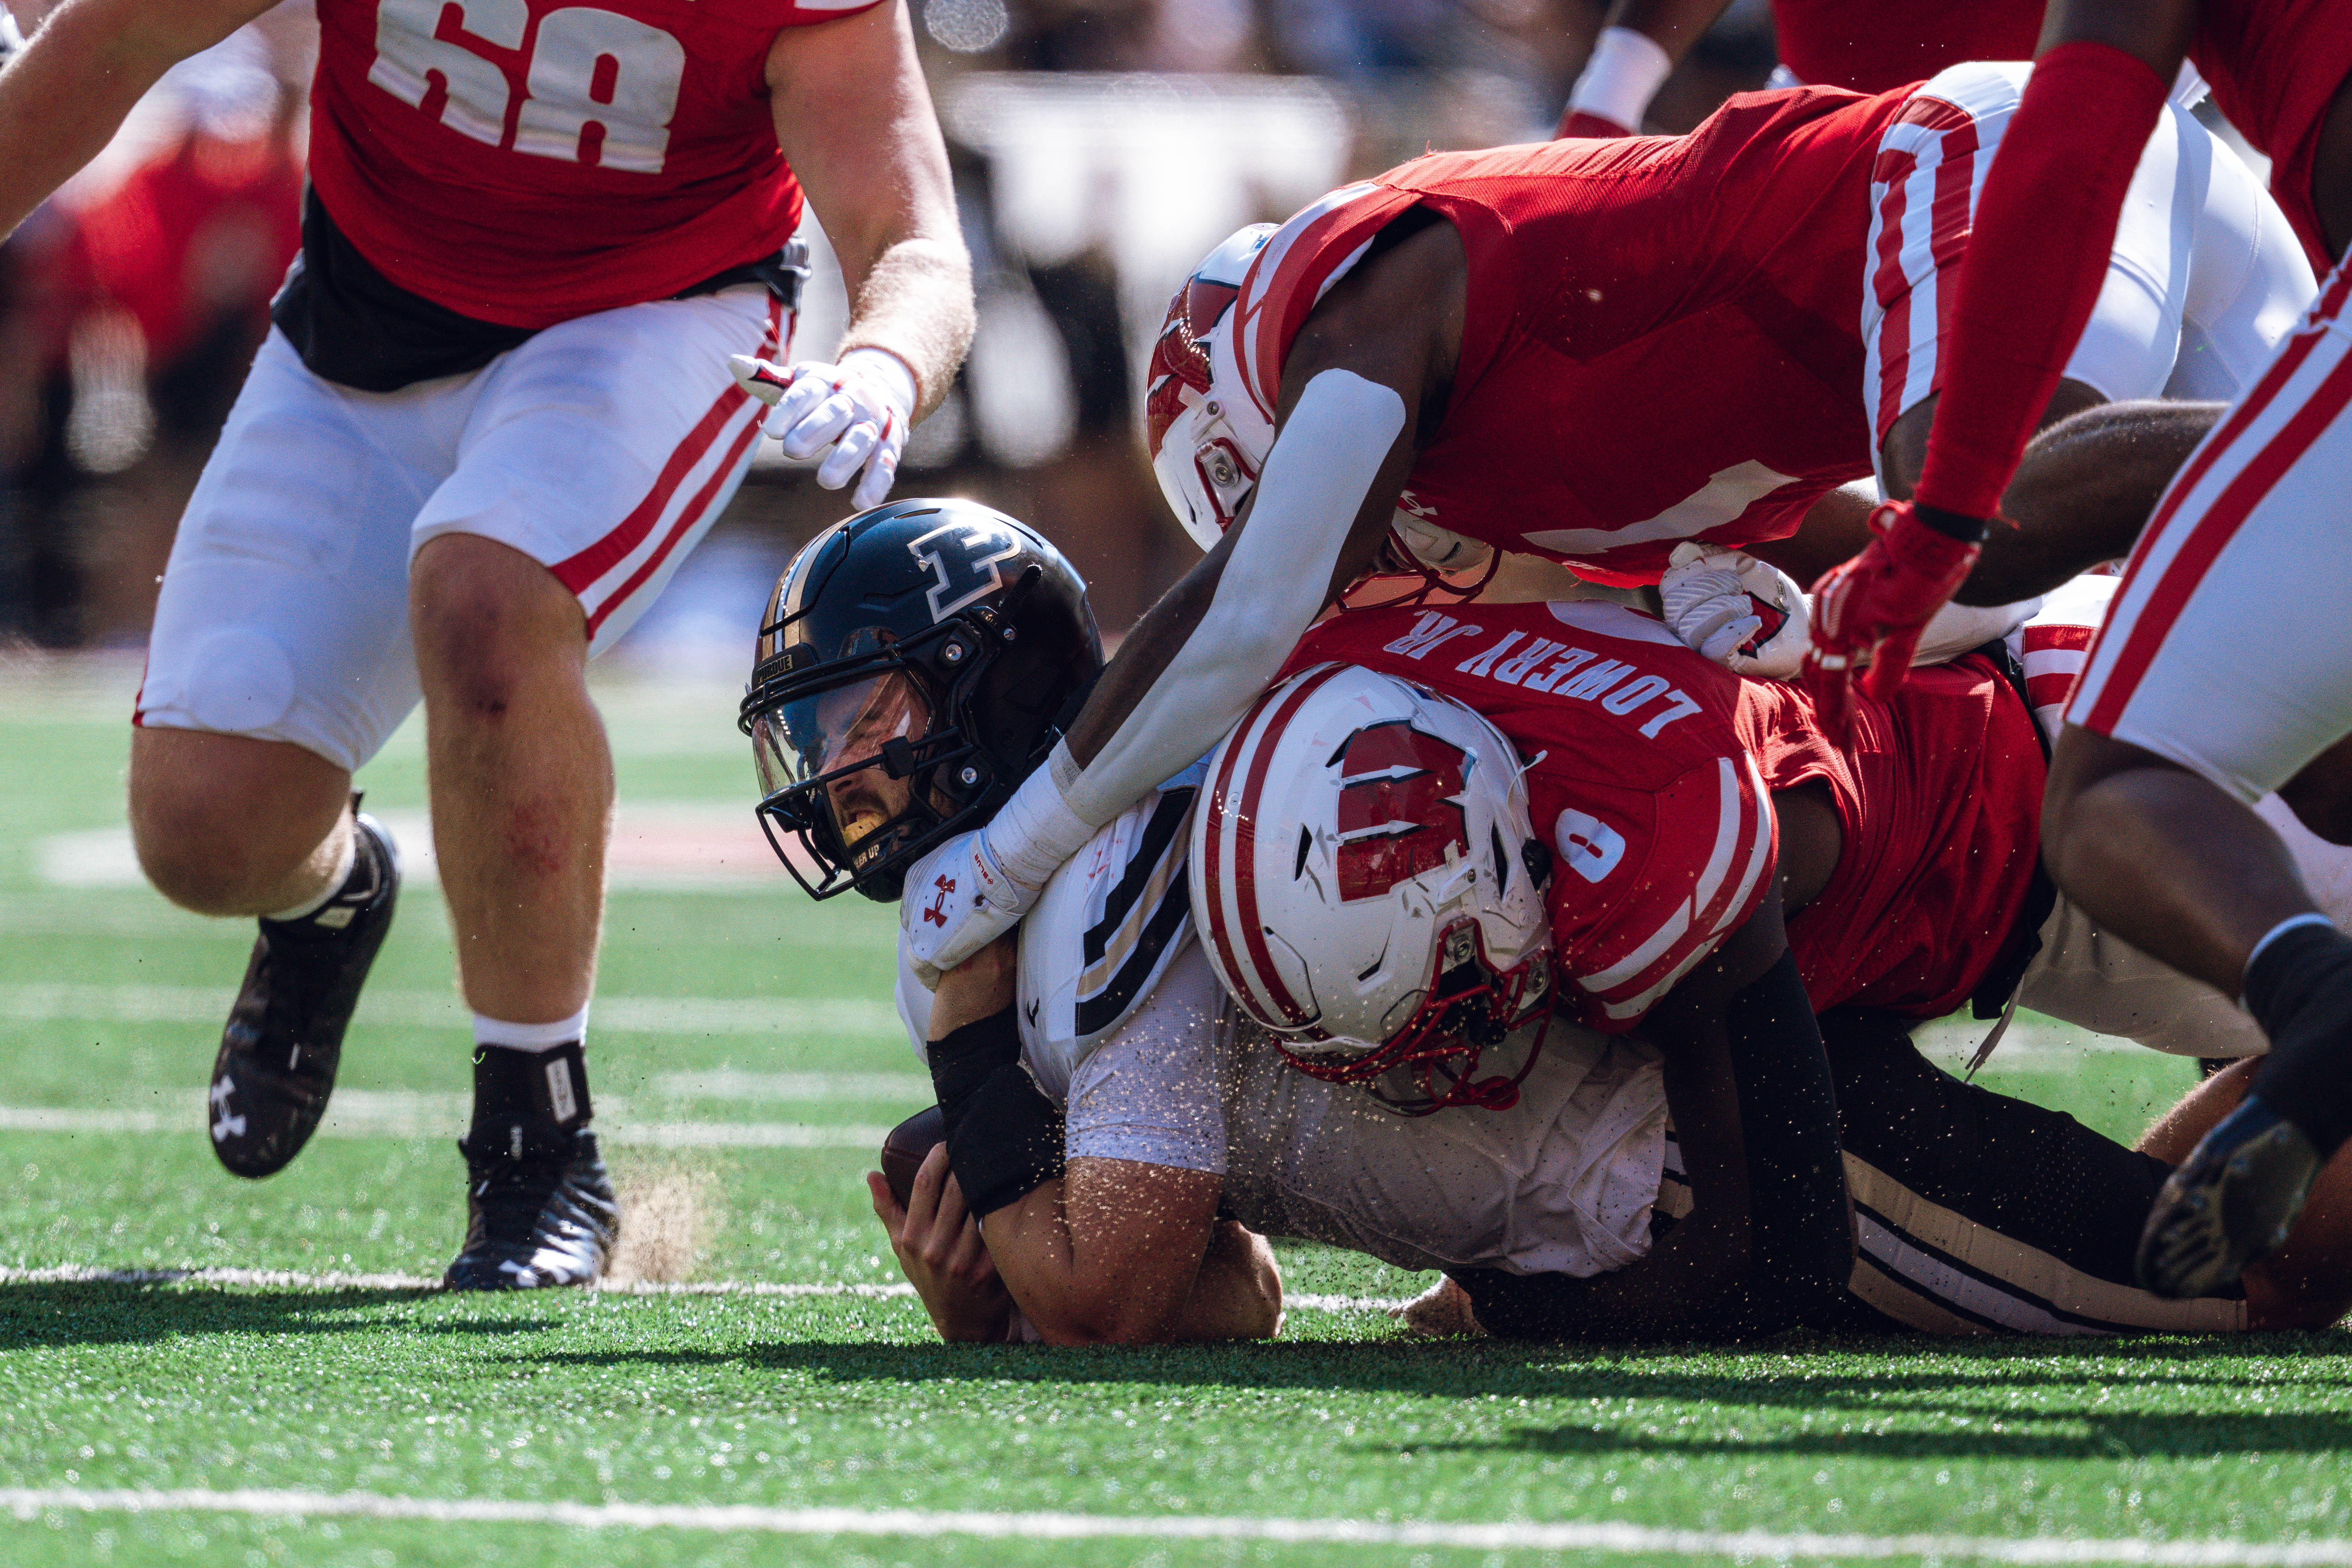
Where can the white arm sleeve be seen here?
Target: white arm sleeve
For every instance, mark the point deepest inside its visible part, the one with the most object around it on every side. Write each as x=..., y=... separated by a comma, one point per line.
x=1322, y=467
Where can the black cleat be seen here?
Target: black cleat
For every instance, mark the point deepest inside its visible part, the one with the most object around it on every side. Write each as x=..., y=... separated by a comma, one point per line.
x=2233, y=1201
x=285, y=1034
x=540, y=1209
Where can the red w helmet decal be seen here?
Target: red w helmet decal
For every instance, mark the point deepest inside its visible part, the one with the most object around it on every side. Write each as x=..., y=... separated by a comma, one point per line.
x=1399, y=808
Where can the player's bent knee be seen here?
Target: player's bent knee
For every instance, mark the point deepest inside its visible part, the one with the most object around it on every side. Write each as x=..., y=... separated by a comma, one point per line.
x=219, y=822
x=486, y=617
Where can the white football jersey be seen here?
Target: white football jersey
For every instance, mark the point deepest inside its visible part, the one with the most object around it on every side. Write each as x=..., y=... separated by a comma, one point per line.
x=1163, y=1071
x=1101, y=934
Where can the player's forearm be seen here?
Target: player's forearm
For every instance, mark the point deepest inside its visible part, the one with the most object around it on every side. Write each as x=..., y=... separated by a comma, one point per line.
x=1206, y=652
x=2082, y=494
x=1108, y=1255
x=855, y=118
x=1800, y=1227
x=916, y=302
x=65, y=96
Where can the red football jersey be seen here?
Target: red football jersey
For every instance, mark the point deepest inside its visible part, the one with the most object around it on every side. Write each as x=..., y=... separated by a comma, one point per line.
x=1662, y=338
x=2274, y=66
x=1661, y=830
x=1874, y=45
x=524, y=162
x=1939, y=798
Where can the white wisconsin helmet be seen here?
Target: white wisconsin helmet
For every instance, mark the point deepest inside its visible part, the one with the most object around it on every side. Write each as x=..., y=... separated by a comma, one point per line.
x=1206, y=433
x=1366, y=881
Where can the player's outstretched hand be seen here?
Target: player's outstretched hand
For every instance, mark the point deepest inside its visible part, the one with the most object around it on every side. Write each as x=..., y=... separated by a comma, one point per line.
x=959, y=898
x=1869, y=611
x=861, y=408
x=1744, y=613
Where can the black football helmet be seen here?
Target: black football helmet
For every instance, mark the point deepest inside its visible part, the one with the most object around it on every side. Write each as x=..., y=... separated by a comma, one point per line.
x=915, y=663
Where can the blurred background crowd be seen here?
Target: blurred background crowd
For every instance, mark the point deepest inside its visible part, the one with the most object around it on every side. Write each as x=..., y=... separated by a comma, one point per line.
x=1100, y=148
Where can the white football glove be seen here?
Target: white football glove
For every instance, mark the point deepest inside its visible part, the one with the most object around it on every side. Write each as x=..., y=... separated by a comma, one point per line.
x=1725, y=603
x=862, y=408
x=958, y=899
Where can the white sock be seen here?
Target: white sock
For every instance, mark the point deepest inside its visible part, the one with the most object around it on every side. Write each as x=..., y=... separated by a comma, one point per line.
x=350, y=857
x=489, y=1031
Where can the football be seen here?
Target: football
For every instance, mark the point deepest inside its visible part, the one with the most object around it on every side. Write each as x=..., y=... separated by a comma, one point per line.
x=904, y=1150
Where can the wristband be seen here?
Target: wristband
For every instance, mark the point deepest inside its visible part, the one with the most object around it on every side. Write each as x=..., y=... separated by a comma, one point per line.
x=962, y=1061
x=1035, y=832
x=896, y=377
x=1007, y=1144
x=1621, y=77
x=1953, y=525
x=1003, y=1136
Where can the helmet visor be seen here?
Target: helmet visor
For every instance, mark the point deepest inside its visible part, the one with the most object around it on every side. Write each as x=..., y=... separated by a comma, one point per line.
x=834, y=735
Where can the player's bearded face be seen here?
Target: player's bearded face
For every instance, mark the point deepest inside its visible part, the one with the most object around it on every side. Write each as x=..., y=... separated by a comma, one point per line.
x=843, y=732
x=857, y=721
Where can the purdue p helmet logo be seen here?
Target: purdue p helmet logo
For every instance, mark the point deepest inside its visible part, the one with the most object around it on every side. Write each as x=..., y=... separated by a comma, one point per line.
x=1399, y=808
x=962, y=558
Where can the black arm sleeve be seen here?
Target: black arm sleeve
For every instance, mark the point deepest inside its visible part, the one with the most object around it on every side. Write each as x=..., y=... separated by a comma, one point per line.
x=1004, y=1137
x=1801, y=1230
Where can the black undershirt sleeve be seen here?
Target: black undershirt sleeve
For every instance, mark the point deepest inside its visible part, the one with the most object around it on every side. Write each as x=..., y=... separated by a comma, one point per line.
x=1801, y=1229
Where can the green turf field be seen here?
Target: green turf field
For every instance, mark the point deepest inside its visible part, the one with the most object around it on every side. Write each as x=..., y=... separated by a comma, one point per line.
x=332, y=1408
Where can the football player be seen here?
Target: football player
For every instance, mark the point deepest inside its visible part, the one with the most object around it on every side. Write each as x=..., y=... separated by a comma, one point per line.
x=1473, y=352
x=916, y=664
x=495, y=413
x=1578, y=1207
x=1821, y=43
x=856, y=662
x=2223, y=671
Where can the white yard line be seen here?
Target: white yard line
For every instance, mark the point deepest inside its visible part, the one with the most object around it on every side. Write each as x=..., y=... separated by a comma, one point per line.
x=286, y=1280
x=28, y=1503
x=782, y=1017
